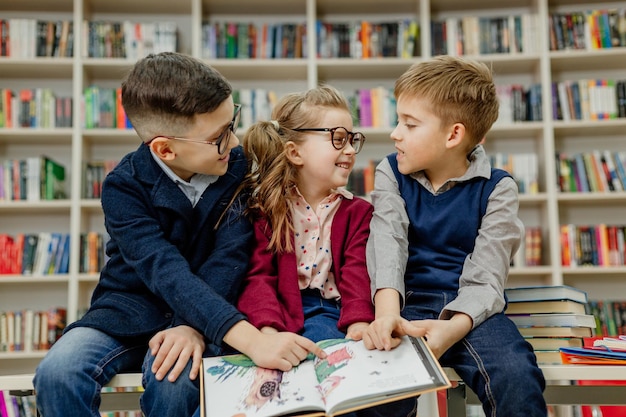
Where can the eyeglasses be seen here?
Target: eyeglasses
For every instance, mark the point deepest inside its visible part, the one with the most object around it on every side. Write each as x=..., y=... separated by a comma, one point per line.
x=221, y=141
x=339, y=136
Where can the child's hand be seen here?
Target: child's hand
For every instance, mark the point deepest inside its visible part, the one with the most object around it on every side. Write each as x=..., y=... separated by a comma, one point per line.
x=386, y=331
x=282, y=350
x=442, y=334
x=172, y=348
x=356, y=330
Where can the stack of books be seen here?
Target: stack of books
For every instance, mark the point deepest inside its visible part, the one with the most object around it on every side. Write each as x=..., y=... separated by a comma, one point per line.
x=550, y=318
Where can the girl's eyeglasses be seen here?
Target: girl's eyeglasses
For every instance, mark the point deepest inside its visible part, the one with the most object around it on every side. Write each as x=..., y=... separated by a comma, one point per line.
x=339, y=137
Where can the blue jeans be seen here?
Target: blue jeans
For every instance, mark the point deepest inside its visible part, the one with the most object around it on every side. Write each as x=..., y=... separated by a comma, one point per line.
x=169, y=399
x=320, y=317
x=69, y=378
x=493, y=360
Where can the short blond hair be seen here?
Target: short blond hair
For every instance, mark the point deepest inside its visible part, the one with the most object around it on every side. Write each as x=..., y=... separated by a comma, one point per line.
x=458, y=90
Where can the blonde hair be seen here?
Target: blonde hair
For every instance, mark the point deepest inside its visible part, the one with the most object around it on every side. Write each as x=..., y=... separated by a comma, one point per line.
x=458, y=90
x=271, y=176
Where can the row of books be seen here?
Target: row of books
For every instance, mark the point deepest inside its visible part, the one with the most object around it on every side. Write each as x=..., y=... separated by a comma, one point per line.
x=356, y=39
x=17, y=405
x=522, y=166
x=253, y=40
x=92, y=256
x=37, y=107
x=94, y=173
x=375, y=107
x=588, y=99
x=550, y=318
x=29, y=330
x=126, y=39
x=529, y=252
x=519, y=103
x=42, y=253
x=47, y=253
x=29, y=38
x=33, y=179
x=102, y=108
x=596, y=171
x=470, y=35
x=473, y=35
x=591, y=29
x=610, y=317
x=366, y=39
x=595, y=245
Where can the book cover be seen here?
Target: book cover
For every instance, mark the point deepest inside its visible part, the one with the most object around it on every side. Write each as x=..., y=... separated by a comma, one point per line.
x=553, y=319
x=546, y=292
x=349, y=378
x=548, y=306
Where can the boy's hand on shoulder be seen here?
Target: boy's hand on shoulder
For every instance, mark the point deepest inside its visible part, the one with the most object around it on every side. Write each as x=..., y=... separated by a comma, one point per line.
x=386, y=331
x=282, y=350
x=173, y=348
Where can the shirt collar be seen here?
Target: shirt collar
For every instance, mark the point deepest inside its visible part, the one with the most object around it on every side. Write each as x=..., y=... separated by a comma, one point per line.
x=198, y=182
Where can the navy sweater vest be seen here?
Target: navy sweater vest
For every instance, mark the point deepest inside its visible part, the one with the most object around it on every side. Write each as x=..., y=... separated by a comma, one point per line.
x=443, y=228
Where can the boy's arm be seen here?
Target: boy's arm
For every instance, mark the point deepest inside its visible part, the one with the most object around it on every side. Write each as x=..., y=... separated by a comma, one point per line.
x=203, y=300
x=481, y=285
x=387, y=255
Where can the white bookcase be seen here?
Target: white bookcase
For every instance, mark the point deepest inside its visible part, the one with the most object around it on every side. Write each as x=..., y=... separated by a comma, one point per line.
x=71, y=146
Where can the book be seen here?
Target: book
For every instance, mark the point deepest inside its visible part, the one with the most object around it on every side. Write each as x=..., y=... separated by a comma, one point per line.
x=349, y=378
x=543, y=293
x=554, y=343
x=553, y=319
x=548, y=357
x=548, y=306
x=556, y=331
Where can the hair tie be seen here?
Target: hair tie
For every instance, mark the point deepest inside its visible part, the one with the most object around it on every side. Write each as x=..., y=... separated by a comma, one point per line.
x=275, y=124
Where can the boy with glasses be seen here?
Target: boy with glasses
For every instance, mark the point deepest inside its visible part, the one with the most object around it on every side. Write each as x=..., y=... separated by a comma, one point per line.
x=179, y=249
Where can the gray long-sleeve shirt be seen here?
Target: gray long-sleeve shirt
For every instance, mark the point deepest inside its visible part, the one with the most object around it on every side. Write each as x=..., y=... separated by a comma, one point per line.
x=485, y=271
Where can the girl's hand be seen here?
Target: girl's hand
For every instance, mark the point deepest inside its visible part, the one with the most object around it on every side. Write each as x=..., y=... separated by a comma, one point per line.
x=282, y=350
x=356, y=330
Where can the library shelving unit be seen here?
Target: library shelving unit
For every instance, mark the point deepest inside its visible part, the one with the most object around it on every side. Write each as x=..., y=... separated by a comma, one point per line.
x=547, y=209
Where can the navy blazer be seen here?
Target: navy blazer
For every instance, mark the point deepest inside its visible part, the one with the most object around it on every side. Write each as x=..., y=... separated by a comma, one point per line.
x=168, y=265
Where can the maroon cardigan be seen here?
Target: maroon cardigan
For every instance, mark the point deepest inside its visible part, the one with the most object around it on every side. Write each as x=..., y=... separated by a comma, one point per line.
x=270, y=293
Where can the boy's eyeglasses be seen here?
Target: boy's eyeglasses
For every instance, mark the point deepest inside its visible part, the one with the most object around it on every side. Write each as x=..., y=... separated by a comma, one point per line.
x=221, y=141
x=339, y=136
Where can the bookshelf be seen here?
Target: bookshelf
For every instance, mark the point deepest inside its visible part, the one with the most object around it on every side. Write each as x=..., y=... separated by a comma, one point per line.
x=547, y=209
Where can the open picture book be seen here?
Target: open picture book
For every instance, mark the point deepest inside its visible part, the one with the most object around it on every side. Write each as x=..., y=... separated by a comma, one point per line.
x=349, y=378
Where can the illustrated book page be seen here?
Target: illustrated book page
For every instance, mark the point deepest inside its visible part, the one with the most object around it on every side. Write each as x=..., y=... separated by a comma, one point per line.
x=349, y=378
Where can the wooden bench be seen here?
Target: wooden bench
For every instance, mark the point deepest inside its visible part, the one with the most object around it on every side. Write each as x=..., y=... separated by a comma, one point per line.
x=559, y=389
x=111, y=401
